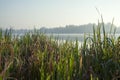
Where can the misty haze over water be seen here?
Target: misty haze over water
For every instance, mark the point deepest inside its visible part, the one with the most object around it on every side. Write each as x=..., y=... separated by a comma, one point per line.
x=71, y=32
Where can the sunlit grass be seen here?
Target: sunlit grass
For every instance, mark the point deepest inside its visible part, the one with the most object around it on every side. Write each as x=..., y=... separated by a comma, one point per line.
x=34, y=56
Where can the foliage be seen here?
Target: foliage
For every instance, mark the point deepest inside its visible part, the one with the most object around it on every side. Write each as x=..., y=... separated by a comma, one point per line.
x=34, y=56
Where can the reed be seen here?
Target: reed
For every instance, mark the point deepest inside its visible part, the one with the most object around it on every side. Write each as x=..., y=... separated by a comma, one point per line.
x=37, y=57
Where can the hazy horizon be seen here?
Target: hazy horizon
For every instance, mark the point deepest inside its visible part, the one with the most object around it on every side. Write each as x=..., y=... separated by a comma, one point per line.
x=27, y=14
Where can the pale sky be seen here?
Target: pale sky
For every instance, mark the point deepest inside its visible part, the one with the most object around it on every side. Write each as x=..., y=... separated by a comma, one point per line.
x=22, y=14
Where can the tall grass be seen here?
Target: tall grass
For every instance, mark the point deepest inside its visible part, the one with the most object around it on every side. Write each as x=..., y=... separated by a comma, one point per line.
x=37, y=57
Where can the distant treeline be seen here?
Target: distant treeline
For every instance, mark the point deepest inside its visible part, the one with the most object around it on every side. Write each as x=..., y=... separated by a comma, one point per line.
x=73, y=29
x=87, y=28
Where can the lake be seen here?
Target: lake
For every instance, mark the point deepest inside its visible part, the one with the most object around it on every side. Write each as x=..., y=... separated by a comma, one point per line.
x=70, y=37
x=61, y=38
x=73, y=37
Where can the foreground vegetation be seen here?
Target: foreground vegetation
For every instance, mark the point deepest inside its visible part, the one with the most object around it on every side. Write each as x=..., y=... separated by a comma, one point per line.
x=37, y=57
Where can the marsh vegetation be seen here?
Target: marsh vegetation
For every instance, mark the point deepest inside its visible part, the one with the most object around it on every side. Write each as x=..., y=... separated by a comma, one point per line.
x=35, y=56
